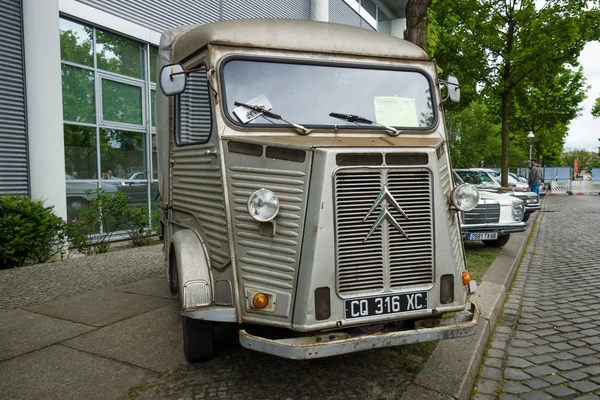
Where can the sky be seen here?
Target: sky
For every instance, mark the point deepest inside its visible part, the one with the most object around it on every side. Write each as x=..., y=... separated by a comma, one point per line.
x=585, y=130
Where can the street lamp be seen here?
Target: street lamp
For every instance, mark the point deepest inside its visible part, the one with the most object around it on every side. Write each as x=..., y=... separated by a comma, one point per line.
x=531, y=136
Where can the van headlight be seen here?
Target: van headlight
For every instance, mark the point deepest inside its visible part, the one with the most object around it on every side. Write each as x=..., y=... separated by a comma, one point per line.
x=263, y=205
x=518, y=210
x=465, y=197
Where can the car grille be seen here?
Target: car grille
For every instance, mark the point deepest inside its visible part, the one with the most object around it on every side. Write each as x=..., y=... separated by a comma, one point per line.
x=388, y=259
x=484, y=213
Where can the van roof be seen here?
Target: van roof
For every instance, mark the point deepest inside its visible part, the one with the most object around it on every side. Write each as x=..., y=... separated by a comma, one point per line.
x=285, y=34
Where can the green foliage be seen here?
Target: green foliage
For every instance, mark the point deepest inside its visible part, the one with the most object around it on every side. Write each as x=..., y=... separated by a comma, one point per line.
x=108, y=213
x=596, y=109
x=28, y=231
x=583, y=157
x=502, y=50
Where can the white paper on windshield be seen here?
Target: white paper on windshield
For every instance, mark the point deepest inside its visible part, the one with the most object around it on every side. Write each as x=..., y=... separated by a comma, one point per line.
x=396, y=111
x=245, y=114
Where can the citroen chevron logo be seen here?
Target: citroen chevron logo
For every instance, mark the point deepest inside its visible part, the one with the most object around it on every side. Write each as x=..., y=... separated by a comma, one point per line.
x=385, y=214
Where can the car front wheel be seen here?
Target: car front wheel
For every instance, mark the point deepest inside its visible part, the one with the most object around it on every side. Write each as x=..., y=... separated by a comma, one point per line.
x=501, y=241
x=198, y=339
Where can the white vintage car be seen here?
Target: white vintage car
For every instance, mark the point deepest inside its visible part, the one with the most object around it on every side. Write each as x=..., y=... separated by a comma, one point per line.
x=494, y=219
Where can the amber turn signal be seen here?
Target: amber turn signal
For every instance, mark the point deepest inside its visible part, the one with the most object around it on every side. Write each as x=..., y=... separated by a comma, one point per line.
x=261, y=300
x=466, y=278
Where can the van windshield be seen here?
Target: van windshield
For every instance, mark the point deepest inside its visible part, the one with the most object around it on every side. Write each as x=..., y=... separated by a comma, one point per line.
x=307, y=93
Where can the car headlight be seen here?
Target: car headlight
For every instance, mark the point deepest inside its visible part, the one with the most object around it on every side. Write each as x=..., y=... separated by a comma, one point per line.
x=263, y=205
x=518, y=210
x=465, y=197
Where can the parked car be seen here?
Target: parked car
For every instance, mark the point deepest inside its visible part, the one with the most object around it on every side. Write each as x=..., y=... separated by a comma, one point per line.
x=494, y=219
x=76, y=191
x=484, y=179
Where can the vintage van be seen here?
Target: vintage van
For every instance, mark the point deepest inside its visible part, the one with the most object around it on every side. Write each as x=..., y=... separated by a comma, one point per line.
x=306, y=187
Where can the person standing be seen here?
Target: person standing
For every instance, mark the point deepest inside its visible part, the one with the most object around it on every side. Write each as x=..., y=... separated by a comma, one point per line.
x=535, y=177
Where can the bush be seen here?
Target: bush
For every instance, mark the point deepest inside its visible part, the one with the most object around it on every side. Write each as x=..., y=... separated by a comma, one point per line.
x=136, y=222
x=28, y=231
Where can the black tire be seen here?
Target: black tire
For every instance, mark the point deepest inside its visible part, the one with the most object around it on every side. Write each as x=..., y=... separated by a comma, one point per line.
x=501, y=241
x=526, y=216
x=198, y=339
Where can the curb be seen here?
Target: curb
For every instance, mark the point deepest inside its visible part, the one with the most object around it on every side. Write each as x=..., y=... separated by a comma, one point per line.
x=451, y=370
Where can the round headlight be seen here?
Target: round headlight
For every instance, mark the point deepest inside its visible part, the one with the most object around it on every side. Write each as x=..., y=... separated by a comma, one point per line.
x=263, y=205
x=518, y=210
x=465, y=197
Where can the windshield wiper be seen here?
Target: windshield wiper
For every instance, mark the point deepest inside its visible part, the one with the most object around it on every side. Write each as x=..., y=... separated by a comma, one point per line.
x=270, y=114
x=357, y=119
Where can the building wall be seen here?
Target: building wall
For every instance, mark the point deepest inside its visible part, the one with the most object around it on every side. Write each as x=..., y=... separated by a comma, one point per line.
x=13, y=117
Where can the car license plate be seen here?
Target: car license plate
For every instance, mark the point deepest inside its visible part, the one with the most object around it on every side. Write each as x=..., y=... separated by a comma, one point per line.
x=482, y=236
x=387, y=304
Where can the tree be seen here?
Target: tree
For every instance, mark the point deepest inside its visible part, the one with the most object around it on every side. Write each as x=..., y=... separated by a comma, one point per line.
x=596, y=109
x=501, y=45
x=583, y=157
x=416, y=22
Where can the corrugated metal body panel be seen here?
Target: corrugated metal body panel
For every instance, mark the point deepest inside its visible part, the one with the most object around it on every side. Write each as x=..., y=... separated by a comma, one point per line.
x=238, y=9
x=160, y=15
x=195, y=113
x=341, y=13
x=13, y=118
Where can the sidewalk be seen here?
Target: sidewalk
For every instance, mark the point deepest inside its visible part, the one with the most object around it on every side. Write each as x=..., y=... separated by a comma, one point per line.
x=98, y=331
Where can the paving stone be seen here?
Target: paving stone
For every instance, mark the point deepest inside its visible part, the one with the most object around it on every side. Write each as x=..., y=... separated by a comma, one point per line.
x=566, y=365
x=519, y=352
x=514, y=374
x=574, y=375
x=560, y=391
x=492, y=373
x=537, y=350
x=540, y=371
x=498, y=345
x=554, y=338
x=521, y=343
x=525, y=336
x=582, y=351
x=493, y=362
x=514, y=388
x=591, y=340
x=584, y=387
x=561, y=346
x=487, y=386
x=593, y=370
x=539, y=342
x=541, y=359
x=536, y=396
x=536, y=384
x=554, y=379
x=505, y=396
x=495, y=353
x=516, y=362
x=563, y=355
x=595, y=379
x=588, y=397
x=480, y=396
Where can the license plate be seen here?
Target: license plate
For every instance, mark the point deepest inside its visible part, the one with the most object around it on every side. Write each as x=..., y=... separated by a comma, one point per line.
x=387, y=304
x=482, y=236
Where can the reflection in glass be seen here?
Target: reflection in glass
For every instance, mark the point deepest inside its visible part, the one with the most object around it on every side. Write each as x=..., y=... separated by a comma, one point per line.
x=306, y=94
x=370, y=7
x=384, y=24
x=118, y=54
x=121, y=155
x=78, y=94
x=76, y=43
x=154, y=158
x=153, y=61
x=80, y=151
x=121, y=102
x=152, y=103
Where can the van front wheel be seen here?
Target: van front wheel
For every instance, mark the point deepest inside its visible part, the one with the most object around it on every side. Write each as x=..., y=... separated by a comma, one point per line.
x=198, y=339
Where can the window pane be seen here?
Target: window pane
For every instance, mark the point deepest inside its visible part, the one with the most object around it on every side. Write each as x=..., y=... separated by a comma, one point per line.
x=154, y=159
x=369, y=7
x=80, y=152
x=118, y=54
x=76, y=43
x=121, y=102
x=195, y=119
x=78, y=94
x=381, y=16
x=122, y=155
x=153, y=61
x=152, y=103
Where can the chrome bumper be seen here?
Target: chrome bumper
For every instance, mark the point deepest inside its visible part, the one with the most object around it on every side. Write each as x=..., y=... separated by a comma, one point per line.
x=497, y=227
x=336, y=343
x=532, y=207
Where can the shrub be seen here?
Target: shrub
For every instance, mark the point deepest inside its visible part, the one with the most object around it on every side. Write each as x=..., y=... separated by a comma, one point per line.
x=136, y=221
x=28, y=231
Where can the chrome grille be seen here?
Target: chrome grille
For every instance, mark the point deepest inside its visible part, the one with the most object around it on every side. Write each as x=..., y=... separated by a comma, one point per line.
x=387, y=259
x=484, y=213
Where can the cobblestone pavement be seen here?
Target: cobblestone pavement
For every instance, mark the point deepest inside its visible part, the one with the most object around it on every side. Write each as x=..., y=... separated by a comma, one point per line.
x=35, y=284
x=548, y=342
x=238, y=373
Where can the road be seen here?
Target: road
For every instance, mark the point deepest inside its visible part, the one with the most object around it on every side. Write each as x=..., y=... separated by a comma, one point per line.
x=548, y=342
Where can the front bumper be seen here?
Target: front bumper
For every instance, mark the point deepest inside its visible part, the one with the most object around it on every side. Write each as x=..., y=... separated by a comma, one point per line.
x=336, y=343
x=501, y=228
x=532, y=207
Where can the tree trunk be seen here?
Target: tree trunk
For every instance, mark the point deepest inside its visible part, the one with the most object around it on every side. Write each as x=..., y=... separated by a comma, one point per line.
x=504, y=165
x=416, y=22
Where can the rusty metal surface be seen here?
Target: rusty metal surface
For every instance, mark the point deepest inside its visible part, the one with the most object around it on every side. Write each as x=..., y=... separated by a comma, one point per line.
x=311, y=347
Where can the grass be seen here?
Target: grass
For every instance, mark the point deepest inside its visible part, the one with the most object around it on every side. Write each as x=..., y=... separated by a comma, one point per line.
x=422, y=350
x=479, y=260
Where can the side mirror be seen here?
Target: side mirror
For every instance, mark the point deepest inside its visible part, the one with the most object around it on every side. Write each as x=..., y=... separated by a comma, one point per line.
x=453, y=88
x=173, y=79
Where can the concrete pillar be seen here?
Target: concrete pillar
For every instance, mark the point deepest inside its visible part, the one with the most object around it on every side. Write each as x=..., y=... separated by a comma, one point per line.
x=398, y=27
x=321, y=10
x=44, y=103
